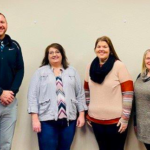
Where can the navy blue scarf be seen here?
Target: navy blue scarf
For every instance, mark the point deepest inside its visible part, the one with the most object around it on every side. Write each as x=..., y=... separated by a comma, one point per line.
x=98, y=73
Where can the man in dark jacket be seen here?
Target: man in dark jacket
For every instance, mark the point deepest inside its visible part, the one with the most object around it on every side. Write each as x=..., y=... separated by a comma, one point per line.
x=11, y=75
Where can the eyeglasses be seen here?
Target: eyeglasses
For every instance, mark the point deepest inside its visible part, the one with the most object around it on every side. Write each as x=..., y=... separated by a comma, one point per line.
x=52, y=53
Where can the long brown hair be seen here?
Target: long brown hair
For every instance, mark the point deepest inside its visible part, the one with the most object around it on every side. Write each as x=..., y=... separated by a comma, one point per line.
x=111, y=47
x=64, y=62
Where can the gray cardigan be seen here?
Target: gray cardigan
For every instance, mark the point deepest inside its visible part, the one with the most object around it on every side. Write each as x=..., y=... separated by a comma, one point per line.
x=42, y=97
x=142, y=101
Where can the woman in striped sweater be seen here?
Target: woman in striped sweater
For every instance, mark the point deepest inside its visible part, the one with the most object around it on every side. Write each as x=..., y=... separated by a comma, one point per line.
x=109, y=94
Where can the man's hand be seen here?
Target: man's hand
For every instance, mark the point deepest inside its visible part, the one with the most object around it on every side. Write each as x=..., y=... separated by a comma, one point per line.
x=7, y=97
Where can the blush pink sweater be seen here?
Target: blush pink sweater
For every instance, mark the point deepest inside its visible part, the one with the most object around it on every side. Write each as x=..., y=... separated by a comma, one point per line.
x=113, y=98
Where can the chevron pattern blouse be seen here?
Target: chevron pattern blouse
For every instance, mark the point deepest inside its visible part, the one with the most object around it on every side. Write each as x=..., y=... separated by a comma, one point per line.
x=61, y=98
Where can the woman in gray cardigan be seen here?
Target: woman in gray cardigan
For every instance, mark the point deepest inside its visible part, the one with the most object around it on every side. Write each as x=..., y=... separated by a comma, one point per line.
x=54, y=97
x=142, y=102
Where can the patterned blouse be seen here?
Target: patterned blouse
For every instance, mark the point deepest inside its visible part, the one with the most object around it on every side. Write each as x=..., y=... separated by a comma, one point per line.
x=61, y=98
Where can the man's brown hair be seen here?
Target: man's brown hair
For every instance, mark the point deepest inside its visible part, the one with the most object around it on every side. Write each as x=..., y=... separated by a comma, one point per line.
x=3, y=15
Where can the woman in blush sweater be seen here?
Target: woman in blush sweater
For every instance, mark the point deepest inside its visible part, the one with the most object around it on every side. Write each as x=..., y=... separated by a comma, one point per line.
x=109, y=93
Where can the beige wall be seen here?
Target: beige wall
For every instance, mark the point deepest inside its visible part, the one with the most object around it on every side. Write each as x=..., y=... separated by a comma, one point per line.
x=75, y=24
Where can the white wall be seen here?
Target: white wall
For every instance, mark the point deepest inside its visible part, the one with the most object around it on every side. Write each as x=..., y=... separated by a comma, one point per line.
x=76, y=24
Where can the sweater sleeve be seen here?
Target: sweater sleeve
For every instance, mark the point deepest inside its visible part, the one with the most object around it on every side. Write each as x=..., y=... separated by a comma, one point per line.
x=1, y=91
x=19, y=71
x=87, y=92
x=134, y=107
x=127, y=93
x=33, y=93
x=134, y=112
x=86, y=86
x=80, y=96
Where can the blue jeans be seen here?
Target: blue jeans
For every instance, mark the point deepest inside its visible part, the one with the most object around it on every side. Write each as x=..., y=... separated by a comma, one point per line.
x=56, y=135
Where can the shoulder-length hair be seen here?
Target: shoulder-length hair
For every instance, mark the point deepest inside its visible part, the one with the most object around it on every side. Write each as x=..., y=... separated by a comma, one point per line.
x=111, y=47
x=64, y=62
x=143, y=63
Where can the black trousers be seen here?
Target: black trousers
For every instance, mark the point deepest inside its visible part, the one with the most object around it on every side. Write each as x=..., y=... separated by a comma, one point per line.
x=147, y=146
x=108, y=137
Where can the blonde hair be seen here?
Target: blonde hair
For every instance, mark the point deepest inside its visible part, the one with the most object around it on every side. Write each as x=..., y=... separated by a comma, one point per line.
x=143, y=63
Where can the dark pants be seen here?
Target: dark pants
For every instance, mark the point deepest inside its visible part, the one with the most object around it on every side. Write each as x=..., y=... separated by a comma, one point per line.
x=56, y=135
x=108, y=137
x=147, y=146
